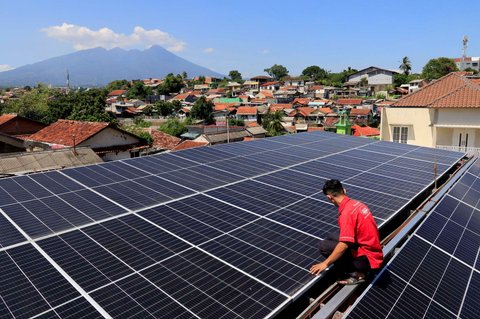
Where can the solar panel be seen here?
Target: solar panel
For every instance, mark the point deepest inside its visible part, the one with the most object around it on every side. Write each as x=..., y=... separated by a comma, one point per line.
x=436, y=273
x=223, y=231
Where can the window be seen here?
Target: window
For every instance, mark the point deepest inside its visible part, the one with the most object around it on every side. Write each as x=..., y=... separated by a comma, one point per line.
x=400, y=134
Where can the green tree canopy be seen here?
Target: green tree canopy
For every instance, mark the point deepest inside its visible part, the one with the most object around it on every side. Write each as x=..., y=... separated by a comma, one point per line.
x=171, y=84
x=436, y=68
x=406, y=65
x=277, y=71
x=235, y=75
x=401, y=78
x=138, y=90
x=316, y=73
x=173, y=126
x=272, y=122
x=117, y=85
x=164, y=108
x=203, y=110
x=89, y=105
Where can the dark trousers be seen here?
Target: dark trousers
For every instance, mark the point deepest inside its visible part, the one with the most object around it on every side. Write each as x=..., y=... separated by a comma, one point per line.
x=346, y=263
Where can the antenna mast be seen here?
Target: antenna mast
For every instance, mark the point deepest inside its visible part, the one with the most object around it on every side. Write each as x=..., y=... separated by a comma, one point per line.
x=68, y=81
x=464, y=56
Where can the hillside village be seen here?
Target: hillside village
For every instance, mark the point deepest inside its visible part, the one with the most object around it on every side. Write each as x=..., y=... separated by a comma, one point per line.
x=154, y=115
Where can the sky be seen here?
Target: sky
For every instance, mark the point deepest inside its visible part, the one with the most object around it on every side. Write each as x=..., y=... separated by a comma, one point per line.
x=248, y=35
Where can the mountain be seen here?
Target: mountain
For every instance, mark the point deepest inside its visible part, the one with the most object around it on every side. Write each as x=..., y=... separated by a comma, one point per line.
x=98, y=67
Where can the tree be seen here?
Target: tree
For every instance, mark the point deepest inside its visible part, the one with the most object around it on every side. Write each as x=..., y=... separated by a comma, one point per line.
x=314, y=72
x=89, y=105
x=164, y=108
x=171, y=84
x=235, y=75
x=363, y=82
x=173, y=126
x=406, y=65
x=203, y=110
x=139, y=91
x=272, y=122
x=236, y=122
x=117, y=85
x=32, y=104
x=184, y=75
x=475, y=72
x=277, y=71
x=400, y=78
x=140, y=132
x=436, y=68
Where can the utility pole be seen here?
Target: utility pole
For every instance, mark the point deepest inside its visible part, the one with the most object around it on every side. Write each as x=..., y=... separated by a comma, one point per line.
x=464, y=56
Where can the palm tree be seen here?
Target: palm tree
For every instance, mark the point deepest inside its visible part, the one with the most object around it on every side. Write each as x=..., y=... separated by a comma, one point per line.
x=272, y=122
x=406, y=65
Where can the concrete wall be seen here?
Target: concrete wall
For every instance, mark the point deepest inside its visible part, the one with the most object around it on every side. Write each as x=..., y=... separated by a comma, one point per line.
x=381, y=78
x=110, y=137
x=456, y=116
x=418, y=121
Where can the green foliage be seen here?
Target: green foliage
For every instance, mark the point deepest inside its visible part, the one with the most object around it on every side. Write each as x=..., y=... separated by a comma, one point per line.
x=184, y=75
x=203, y=110
x=164, y=108
x=236, y=122
x=117, y=85
x=436, y=68
x=380, y=96
x=337, y=79
x=139, y=91
x=406, y=65
x=140, y=122
x=277, y=71
x=316, y=73
x=174, y=127
x=171, y=84
x=401, y=78
x=235, y=75
x=475, y=72
x=363, y=82
x=32, y=104
x=140, y=132
x=272, y=122
x=89, y=105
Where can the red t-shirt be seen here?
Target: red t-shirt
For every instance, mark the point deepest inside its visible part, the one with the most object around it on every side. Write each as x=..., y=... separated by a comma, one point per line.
x=358, y=226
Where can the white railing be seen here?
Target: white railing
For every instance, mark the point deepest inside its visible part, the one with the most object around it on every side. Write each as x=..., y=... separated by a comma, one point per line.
x=468, y=150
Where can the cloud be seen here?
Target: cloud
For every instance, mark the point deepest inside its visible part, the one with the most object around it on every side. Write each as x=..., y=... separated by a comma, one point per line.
x=5, y=67
x=85, y=38
x=208, y=50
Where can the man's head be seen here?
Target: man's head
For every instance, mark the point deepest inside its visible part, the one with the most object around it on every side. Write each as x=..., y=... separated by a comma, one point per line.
x=334, y=191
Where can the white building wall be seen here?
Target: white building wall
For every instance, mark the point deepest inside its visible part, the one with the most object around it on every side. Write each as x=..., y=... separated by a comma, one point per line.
x=382, y=78
x=109, y=137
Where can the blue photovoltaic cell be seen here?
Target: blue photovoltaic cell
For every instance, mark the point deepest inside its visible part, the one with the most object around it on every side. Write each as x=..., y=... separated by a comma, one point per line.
x=201, y=178
x=326, y=171
x=243, y=167
x=212, y=289
x=93, y=205
x=437, y=264
x=56, y=182
x=77, y=308
x=291, y=180
x=9, y=235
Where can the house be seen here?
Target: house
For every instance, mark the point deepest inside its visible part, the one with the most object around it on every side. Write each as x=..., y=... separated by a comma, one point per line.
x=261, y=79
x=14, y=125
x=468, y=62
x=348, y=102
x=365, y=131
x=377, y=79
x=116, y=94
x=360, y=115
x=300, y=101
x=251, y=85
x=415, y=85
x=108, y=141
x=444, y=114
x=185, y=97
x=247, y=113
x=280, y=107
x=265, y=94
x=189, y=144
x=162, y=141
x=304, y=115
x=270, y=86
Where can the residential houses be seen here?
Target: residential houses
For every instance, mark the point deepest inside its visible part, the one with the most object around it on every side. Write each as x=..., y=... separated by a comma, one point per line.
x=443, y=114
x=377, y=79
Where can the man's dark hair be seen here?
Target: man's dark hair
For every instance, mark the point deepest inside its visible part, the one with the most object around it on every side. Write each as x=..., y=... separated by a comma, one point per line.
x=333, y=187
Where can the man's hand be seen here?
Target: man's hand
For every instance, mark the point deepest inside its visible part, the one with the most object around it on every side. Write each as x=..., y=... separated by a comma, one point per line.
x=318, y=268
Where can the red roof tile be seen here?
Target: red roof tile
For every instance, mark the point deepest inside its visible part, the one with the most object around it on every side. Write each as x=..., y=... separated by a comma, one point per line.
x=247, y=110
x=349, y=101
x=224, y=106
x=357, y=112
x=280, y=106
x=258, y=101
x=313, y=129
x=450, y=91
x=252, y=124
x=305, y=111
x=325, y=110
x=62, y=132
x=270, y=83
x=365, y=131
x=163, y=140
x=330, y=120
x=301, y=100
x=189, y=144
x=6, y=118
x=117, y=92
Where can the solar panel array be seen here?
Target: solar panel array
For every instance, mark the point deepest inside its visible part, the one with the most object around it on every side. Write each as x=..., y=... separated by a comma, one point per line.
x=437, y=273
x=217, y=232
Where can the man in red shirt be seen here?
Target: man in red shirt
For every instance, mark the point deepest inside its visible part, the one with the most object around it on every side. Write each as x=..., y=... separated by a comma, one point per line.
x=357, y=247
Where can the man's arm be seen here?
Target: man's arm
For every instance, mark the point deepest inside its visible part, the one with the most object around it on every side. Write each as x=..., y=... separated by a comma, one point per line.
x=339, y=250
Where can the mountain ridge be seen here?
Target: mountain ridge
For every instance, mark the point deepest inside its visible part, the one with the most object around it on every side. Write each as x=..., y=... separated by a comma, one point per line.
x=99, y=66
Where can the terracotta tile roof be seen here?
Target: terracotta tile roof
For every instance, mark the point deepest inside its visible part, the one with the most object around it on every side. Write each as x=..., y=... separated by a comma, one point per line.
x=325, y=110
x=356, y=112
x=6, y=118
x=248, y=138
x=315, y=87
x=189, y=144
x=313, y=129
x=304, y=111
x=182, y=96
x=224, y=106
x=385, y=103
x=62, y=131
x=252, y=124
x=450, y=91
x=243, y=97
x=349, y=101
x=270, y=83
x=258, y=101
x=266, y=93
x=365, y=131
x=117, y=92
x=279, y=106
x=301, y=100
x=163, y=140
x=330, y=120
x=247, y=110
